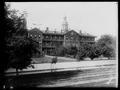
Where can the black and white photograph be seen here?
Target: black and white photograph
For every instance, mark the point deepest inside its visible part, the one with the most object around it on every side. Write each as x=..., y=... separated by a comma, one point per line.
x=60, y=44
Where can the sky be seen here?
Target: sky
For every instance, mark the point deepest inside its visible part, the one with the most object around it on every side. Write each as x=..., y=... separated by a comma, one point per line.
x=96, y=18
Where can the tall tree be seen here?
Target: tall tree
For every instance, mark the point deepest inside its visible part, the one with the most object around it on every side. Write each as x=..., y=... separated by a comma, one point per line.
x=18, y=46
x=107, y=45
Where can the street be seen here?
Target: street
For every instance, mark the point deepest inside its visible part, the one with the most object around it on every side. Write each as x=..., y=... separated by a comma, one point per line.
x=96, y=77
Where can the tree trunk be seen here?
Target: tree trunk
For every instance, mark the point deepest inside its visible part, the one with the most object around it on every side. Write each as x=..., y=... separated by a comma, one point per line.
x=17, y=72
x=74, y=56
x=92, y=58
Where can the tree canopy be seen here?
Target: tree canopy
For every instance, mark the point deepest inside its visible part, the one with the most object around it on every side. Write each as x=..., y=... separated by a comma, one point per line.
x=18, y=46
x=107, y=44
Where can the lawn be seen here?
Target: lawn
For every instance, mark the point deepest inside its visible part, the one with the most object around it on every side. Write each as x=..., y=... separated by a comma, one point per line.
x=47, y=59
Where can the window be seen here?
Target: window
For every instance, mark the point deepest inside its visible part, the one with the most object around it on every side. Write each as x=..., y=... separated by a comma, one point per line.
x=55, y=37
x=67, y=38
x=46, y=37
x=71, y=37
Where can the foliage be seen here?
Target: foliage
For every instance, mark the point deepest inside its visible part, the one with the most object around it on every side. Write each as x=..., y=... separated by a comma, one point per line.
x=105, y=40
x=109, y=52
x=73, y=51
x=19, y=48
x=88, y=50
x=104, y=46
x=107, y=45
x=61, y=51
x=81, y=53
x=95, y=51
x=67, y=50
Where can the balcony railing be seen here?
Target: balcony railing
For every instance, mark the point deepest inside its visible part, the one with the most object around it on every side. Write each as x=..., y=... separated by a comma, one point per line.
x=49, y=39
x=87, y=41
x=49, y=46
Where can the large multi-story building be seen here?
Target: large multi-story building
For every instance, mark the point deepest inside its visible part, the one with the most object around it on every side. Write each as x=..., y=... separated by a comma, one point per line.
x=49, y=40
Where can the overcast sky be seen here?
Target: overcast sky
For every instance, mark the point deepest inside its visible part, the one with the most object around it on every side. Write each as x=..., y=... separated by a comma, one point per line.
x=96, y=18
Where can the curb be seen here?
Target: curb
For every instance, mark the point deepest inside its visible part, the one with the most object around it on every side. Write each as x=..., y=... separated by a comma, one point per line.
x=56, y=70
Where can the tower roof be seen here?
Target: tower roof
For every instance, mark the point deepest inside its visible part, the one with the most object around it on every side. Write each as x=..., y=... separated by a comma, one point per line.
x=65, y=25
x=65, y=20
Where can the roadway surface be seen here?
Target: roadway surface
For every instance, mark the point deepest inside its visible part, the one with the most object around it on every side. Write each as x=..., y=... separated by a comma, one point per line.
x=95, y=77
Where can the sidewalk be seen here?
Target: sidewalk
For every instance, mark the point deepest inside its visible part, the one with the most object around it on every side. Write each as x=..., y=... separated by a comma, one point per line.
x=63, y=66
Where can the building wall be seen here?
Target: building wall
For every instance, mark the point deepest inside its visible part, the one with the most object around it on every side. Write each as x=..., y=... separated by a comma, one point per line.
x=48, y=42
x=71, y=39
x=51, y=42
x=36, y=35
x=87, y=39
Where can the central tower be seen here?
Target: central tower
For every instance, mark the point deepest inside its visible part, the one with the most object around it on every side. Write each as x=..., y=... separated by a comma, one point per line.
x=65, y=25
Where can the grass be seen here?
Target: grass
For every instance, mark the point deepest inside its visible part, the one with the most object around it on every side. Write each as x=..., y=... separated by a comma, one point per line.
x=48, y=59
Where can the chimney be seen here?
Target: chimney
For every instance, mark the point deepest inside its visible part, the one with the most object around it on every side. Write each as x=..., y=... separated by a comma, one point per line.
x=47, y=29
x=80, y=32
x=55, y=30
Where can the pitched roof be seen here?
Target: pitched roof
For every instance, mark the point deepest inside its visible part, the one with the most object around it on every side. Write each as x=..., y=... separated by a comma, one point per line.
x=35, y=30
x=82, y=34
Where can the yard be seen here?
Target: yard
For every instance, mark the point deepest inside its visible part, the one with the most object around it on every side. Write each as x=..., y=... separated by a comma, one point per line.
x=47, y=59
